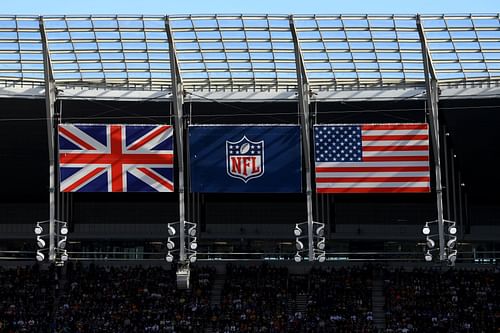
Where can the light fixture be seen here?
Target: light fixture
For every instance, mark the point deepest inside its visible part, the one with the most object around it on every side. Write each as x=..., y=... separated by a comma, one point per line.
x=297, y=231
x=62, y=243
x=452, y=242
x=170, y=244
x=40, y=242
x=320, y=231
x=169, y=257
x=297, y=257
x=39, y=255
x=171, y=230
x=426, y=230
x=430, y=242
x=452, y=229
x=193, y=245
x=452, y=257
x=192, y=231
x=64, y=256
x=64, y=230
x=192, y=258
x=299, y=245
x=38, y=229
x=321, y=244
x=428, y=256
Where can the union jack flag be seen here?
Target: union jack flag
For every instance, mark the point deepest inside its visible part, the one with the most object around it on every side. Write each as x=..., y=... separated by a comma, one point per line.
x=116, y=158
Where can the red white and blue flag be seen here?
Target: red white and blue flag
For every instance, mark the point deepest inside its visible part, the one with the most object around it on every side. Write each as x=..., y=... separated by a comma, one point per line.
x=116, y=158
x=372, y=158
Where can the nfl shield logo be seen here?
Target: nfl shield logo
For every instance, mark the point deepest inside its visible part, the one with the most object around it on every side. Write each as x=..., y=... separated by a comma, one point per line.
x=245, y=159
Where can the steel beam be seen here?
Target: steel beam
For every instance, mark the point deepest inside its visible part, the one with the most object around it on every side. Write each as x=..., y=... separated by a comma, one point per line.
x=304, y=101
x=432, y=91
x=50, y=100
x=178, y=103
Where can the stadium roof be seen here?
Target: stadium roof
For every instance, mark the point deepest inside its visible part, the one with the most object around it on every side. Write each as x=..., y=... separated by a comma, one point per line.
x=248, y=52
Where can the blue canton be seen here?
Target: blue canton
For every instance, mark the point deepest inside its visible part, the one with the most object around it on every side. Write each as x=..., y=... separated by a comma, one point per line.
x=337, y=143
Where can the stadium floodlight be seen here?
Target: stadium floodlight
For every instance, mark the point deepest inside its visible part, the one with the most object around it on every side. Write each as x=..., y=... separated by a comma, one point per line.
x=193, y=245
x=62, y=243
x=321, y=257
x=452, y=257
x=38, y=229
x=321, y=244
x=430, y=242
x=192, y=258
x=192, y=231
x=452, y=242
x=39, y=255
x=297, y=231
x=426, y=230
x=320, y=231
x=40, y=242
x=428, y=256
x=169, y=257
x=170, y=244
x=171, y=230
x=297, y=257
x=64, y=256
x=452, y=229
x=299, y=245
x=64, y=229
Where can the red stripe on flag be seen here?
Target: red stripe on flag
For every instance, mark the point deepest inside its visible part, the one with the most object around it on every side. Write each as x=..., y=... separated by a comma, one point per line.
x=160, y=130
x=76, y=139
x=394, y=158
x=372, y=169
x=77, y=158
x=371, y=179
x=368, y=127
x=117, y=164
x=158, y=179
x=394, y=137
x=396, y=148
x=83, y=180
x=375, y=190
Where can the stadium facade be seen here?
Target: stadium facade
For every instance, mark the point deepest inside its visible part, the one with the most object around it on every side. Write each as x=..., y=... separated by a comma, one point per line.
x=252, y=69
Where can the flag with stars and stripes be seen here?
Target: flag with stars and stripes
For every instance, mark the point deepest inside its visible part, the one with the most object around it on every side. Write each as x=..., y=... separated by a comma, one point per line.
x=116, y=158
x=372, y=158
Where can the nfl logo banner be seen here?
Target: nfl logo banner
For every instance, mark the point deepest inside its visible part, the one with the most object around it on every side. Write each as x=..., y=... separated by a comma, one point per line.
x=115, y=158
x=245, y=158
x=372, y=158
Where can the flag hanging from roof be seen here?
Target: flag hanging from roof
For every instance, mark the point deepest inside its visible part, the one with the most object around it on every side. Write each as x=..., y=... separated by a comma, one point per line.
x=372, y=158
x=115, y=158
x=245, y=158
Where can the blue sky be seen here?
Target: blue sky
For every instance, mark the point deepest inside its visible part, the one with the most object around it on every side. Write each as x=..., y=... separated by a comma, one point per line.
x=40, y=7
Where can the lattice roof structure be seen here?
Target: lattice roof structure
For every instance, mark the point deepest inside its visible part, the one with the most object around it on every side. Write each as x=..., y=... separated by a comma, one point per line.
x=256, y=52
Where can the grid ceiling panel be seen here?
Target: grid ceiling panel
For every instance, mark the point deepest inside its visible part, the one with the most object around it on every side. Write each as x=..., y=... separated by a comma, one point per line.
x=464, y=47
x=241, y=50
x=254, y=51
x=360, y=49
x=21, y=55
x=111, y=50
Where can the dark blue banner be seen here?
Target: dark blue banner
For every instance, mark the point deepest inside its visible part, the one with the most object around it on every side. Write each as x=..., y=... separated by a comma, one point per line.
x=245, y=158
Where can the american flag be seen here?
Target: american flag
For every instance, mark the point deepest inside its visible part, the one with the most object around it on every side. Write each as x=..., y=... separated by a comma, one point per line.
x=372, y=158
x=115, y=158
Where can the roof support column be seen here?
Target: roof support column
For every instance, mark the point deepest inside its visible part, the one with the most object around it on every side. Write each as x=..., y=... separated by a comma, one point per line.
x=305, y=124
x=178, y=103
x=432, y=92
x=50, y=100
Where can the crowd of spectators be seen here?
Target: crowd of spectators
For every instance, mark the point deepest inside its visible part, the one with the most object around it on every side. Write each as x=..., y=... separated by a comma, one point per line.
x=254, y=299
x=340, y=300
x=26, y=299
x=432, y=300
x=259, y=298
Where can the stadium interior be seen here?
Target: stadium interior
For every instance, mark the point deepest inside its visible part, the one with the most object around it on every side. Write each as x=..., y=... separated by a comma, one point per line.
x=373, y=275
